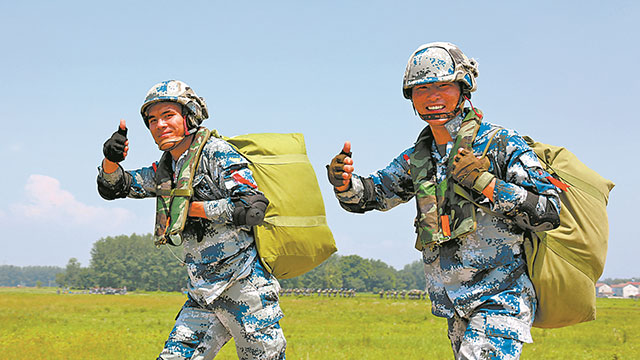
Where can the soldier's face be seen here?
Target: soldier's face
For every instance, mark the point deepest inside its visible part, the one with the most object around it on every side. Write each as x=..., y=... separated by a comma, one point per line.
x=436, y=98
x=166, y=123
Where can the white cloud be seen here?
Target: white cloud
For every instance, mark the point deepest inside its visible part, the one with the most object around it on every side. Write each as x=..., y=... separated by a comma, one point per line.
x=46, y=201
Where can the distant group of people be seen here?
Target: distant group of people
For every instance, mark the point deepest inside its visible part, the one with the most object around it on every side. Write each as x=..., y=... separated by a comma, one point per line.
x=413, y=294
x=319, y=292
x=96, y=290
x=108, y=291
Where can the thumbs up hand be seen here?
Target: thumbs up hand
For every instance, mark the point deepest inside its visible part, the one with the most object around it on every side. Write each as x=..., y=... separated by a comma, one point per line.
x=116, y=147
x=341, y=168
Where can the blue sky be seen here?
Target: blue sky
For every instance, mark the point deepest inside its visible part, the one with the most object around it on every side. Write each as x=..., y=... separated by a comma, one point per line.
x=561, y=72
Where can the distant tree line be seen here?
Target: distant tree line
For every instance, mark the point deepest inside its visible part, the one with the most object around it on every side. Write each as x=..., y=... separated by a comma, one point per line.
x=613, y=281
x=133, y=261
x=11, y=275
x=355, y=272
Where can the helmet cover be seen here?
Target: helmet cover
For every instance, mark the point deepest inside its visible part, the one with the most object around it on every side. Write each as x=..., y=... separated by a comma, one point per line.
x=439, y=62
x=194, y=107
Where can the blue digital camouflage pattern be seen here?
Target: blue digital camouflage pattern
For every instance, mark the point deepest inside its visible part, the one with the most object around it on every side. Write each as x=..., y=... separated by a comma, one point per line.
x=498, y=329
x=217, y=254
x=486, y=266
x=248, y=311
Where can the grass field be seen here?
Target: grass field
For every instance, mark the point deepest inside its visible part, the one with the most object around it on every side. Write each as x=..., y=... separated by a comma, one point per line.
x=40, y=324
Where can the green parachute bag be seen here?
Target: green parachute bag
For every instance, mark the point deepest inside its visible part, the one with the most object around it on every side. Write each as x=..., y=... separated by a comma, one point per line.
x=565, y=263
x=294, y=237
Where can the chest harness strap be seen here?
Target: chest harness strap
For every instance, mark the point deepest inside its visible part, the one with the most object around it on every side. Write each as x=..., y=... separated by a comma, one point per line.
x=442, y=214
x=173, y=198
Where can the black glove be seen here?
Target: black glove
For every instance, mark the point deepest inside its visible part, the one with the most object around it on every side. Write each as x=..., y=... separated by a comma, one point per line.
x=336, y=169
x=249, y=209
x=113, y=149
x=528, y=218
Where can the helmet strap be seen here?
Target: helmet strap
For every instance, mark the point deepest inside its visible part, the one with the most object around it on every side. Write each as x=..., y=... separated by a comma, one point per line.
x=175, y=144
x=186, y=134
x=448, y=115
x=184, y=123
x=473, y=108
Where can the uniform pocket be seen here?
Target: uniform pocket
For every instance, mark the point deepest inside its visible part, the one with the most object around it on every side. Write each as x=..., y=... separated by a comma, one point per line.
x=508, y=327
x=265, y=288
x=262, y=318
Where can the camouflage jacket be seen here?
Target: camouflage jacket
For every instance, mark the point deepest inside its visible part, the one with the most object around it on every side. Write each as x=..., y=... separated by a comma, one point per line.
x=216, y=252
x=465, y=272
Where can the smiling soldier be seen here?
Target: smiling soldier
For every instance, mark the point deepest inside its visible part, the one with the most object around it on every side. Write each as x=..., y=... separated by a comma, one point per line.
x=473, y=260
x=205, y=190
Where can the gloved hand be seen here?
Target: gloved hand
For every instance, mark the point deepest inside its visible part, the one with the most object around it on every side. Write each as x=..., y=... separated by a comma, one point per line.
x=249, y=209
x=115, y=148
x=467, y=169
x=340, y=165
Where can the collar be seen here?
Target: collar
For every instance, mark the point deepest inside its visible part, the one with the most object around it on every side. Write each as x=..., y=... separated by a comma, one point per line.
x=453, y=125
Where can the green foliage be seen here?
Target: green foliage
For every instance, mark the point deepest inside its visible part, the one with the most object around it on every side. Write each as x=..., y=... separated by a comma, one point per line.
x=354, y=272
x=28, y=275
x=412, y=276
x=135, y=263
x=75, y=276
x=127, y=261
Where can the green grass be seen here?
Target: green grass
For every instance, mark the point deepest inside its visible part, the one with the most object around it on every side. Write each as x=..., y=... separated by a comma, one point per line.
x=38, y=323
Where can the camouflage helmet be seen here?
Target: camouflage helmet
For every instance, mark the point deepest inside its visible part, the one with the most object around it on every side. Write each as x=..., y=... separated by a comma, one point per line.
x=440, y=62
x=194, y=108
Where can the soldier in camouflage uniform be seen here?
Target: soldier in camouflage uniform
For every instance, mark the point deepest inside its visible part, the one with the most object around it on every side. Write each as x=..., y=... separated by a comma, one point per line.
x=473, y=259
x=230, y=294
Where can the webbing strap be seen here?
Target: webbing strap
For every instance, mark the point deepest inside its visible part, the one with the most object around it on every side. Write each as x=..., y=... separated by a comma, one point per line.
x=277, y=159
x=582, y=185
x=296, y=221
x=465, y=194
x=175, y=192
x=568, y=178
x=486, y=148
x=569, y=256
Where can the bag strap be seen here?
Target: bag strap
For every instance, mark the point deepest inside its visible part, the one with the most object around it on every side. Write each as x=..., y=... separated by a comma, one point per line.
x=172, y=201
x=467, y=196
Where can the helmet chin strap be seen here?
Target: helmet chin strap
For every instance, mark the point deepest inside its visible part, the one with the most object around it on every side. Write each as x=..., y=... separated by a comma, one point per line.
x=177, y=142
x=448, y=115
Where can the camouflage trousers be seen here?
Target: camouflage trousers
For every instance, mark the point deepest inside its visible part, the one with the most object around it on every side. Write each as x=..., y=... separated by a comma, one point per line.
x=248, y=311
x=498, y=328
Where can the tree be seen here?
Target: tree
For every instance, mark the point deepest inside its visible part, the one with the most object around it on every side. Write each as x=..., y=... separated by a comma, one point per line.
x=356, y=272
x=133, y=261
x=383, y=276
x=412, y=276
x=74, y=276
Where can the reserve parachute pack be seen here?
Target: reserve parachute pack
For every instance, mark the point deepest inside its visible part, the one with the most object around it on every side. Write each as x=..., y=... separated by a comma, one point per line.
x=565, y=263
x=294, y=237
